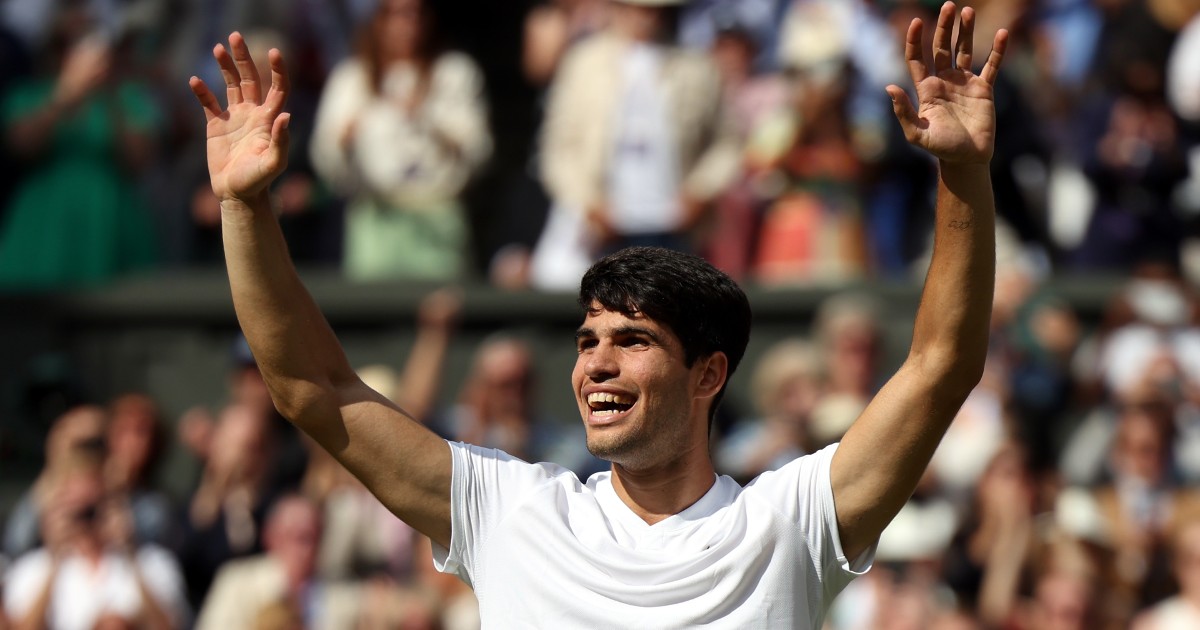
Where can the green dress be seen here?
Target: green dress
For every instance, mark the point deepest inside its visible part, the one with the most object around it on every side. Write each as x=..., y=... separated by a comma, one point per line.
x=76, y=218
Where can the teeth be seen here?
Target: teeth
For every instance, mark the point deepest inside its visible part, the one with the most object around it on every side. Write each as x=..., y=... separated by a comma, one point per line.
x=605, y=397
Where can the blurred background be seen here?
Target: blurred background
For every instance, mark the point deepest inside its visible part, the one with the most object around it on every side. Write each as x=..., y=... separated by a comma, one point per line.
x=454, y=168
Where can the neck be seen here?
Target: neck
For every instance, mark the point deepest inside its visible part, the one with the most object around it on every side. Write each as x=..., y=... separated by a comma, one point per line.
x=664, y=490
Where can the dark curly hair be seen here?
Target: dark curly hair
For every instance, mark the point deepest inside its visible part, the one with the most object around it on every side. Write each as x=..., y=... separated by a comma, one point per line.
x=705, y=308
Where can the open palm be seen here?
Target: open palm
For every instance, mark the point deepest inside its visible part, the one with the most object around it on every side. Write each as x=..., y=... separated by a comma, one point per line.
x=955, y=119
x=247, y=142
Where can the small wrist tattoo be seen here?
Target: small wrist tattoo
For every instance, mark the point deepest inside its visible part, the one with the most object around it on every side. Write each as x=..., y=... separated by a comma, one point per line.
x=960, y=225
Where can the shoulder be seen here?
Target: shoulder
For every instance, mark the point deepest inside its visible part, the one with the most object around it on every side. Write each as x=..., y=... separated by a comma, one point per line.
x=253, y=570
x=478, y=461
x=151, y=557
x=597, y=48
x=351, y=70
x=804, y=465
x=500, y=479
x=797, y=483
x=454, y=69
x=24, y=580
x=693, y=65
x=457, y=62
x=32, y=565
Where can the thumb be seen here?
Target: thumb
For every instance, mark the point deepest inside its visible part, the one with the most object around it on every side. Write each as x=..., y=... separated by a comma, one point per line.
x=903, y=108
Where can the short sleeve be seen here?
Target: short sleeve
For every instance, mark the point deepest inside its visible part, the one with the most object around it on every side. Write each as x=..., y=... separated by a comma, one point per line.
x=803, y=490
x=838, y=569
x=486, y=485
x=25, y=582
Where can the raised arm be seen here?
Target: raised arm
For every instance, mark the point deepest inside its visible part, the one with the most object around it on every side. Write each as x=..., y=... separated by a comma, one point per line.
x=310, y=380
x=884, y=453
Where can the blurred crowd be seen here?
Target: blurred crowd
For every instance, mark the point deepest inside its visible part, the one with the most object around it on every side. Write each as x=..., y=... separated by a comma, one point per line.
x=1066, y=495
x=754, y=132
x=427, y=146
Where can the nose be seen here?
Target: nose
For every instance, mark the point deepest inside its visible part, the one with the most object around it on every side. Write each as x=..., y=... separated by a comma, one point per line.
x=599, y=363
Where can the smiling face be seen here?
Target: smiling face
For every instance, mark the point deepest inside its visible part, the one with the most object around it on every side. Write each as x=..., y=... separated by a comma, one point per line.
x=642, y=406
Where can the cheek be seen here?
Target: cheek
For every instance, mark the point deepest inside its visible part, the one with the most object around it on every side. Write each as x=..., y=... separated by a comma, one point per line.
x=577, y=375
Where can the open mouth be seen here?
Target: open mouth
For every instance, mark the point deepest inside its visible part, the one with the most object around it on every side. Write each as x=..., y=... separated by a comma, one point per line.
x=608, y=404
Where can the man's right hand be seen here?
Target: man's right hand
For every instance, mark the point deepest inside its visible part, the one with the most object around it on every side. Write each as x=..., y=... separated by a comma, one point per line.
x=247, y=143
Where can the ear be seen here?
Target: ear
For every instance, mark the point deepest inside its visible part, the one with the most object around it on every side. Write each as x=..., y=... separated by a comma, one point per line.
x=712, y=372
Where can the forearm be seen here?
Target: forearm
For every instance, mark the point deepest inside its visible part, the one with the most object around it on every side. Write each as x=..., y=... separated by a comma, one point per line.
x=885, y=452
x=297, y=352
x=422, y=372
x=31, y=135
x=1002, y=572
x=951, y=331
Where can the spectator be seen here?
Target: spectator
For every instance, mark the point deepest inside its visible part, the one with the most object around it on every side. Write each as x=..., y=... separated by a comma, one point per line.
x=135, y=443
x=87, y=130
x=812, y=228
x=850, y=343
x=225, y=513
x=786, y=387
x=91, y=569
x=77, y=435
x=633, y=143
x=748, y=99
x=704, y=21
x=360, y=539
x=1132, y=148
x=1142, y=504
x=990, y=556
x=245, y=588
x=1146, y=349
x=247, y=389
x=551, y=28
x=497, y=409
x=1066, y=593
x=1182, y=610
x=401, y=129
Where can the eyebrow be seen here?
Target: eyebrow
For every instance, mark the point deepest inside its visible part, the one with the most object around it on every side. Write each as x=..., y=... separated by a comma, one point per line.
x=587, y=333
x=637, y=330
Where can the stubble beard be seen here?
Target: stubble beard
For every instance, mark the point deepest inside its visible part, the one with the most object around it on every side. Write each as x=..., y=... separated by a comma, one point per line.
x=642, y=445
x=617, y=448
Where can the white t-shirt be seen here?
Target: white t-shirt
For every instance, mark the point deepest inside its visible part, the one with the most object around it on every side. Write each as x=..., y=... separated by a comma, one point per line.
x=82, y=593
x=544, y=550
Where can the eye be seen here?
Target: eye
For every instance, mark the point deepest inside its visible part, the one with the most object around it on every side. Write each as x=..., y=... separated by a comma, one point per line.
x=587, y=343
x=634, y=341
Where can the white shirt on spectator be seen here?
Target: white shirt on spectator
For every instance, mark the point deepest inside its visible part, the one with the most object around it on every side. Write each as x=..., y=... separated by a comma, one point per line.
x=82, y=593
x=544, y=550
x=644, y=179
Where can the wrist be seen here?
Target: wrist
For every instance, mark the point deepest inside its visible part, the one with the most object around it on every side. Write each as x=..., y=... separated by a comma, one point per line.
x=59, y=105
x=255, y=202
x=964, y=169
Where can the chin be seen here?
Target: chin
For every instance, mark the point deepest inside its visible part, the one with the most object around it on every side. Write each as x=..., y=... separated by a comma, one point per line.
x=610, y=448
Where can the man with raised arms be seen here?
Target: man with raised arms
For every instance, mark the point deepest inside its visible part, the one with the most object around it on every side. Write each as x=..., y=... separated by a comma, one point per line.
x=660, y=540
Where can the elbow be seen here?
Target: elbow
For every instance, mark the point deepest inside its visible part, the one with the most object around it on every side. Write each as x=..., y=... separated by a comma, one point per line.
x=305, y=403
x=957, y=372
